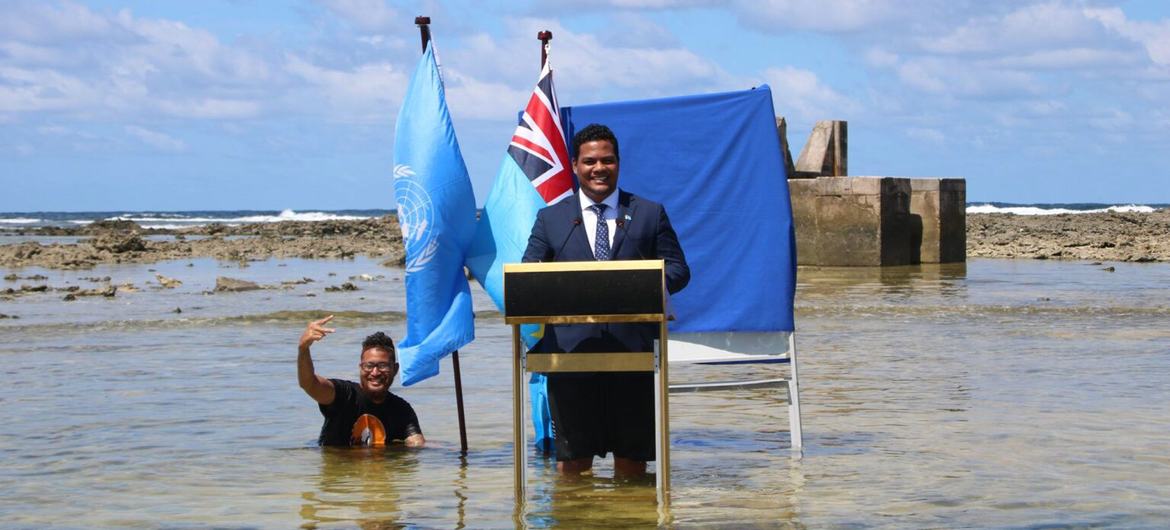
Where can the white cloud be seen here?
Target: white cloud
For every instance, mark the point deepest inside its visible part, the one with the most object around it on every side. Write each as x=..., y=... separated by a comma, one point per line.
x=158, y=140
x=1159, y=47
x=60, y=131
x=210, y=108
x=366, y=92
x=955, y=78
x=513, y=59
x=25, y=90
x=96, y=65
x=607, y=71
x=1112, y=119
x=367, y=15
x=918, y=74
x=932, y=136
x=45, y=22
x=1045, y=108
x=630, y=30
x=655, y=4
x=471, y=98
x=880, y=58
x=1070, y=59
x=1153, y=36
x=1054, y=35
x=609, y=5
x=175, y=47
x=53, y=130
x=800, y=95
x=839, y=16
x=1031, y=27
x=24, y=53
x=587, y=67
x=1019, y=66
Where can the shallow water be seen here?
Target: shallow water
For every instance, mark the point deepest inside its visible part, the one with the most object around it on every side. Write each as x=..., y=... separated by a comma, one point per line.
x=995, y=394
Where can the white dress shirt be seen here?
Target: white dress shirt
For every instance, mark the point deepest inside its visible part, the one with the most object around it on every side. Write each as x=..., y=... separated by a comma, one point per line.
x=589, y=219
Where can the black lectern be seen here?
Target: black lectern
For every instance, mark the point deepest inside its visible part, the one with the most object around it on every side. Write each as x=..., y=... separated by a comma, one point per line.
x=580, y=292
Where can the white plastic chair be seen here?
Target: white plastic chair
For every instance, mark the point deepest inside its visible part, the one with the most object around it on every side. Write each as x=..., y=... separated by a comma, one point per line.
x=746, y=349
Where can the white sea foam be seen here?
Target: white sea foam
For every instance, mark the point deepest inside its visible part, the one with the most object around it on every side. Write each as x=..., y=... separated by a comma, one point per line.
x=1033, y=210
x=19, y=221
x=286, y=215
x=164, y=226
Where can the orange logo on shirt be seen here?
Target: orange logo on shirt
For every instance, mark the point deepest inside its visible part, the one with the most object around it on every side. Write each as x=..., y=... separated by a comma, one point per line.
x=368, y=430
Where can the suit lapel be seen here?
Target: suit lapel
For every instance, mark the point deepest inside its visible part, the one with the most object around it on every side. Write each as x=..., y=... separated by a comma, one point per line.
x=580, y=238
x=625, y=211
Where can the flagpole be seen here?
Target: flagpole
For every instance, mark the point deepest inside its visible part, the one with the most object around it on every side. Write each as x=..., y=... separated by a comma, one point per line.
x=544, y=37
x=459, y=402
x=424, y=30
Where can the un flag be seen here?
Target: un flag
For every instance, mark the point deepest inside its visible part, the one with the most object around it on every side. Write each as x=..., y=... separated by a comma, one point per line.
x=436, y=212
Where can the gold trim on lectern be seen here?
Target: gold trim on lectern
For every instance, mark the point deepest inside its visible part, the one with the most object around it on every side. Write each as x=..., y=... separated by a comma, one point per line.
x=569, y=266
x=585, y=319
x=591, y=362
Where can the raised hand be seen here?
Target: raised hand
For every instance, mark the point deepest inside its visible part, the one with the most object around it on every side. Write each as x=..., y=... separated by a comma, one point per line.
x=315, y=331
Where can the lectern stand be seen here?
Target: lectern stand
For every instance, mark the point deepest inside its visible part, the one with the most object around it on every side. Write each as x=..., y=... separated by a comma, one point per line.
x=588, y=292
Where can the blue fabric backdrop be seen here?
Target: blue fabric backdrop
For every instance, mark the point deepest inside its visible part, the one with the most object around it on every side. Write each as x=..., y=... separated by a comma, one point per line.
x=714, y=161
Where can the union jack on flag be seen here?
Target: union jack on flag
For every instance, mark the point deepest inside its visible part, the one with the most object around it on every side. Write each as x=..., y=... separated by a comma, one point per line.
x=538, y=145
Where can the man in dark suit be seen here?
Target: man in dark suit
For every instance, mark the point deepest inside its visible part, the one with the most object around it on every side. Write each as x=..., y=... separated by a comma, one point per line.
x=597, y=413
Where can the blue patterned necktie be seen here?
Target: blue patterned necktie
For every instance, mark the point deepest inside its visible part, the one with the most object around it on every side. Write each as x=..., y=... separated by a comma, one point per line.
x=601, y=241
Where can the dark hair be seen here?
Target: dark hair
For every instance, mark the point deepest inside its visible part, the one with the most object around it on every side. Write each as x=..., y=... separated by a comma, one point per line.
x=380, y=340
x=592, y=133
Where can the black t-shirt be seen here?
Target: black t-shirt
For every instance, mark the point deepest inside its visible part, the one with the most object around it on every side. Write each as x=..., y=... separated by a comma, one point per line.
x=352, y=419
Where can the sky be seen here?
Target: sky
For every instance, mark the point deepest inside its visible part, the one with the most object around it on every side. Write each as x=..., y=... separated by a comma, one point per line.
x=264, y=105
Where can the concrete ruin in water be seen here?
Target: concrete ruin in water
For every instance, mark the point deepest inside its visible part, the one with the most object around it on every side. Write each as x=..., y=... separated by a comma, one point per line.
x=865, y=221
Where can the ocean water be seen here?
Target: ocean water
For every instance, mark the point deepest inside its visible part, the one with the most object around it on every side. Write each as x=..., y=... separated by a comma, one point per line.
x=176, y=220
x=997, y=393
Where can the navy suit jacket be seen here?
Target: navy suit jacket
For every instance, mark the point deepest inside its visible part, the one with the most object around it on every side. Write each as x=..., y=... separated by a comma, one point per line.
x=643, y=232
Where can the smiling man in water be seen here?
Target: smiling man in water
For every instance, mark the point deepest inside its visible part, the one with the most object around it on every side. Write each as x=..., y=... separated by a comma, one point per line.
x=364, y=413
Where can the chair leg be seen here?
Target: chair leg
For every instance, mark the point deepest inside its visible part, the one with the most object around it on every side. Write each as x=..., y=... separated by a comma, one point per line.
x=794, y=426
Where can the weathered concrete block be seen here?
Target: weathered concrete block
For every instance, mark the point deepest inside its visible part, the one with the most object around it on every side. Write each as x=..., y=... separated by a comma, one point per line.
x=941, y=206
x=844, y=221
x=782, y=132
x=826, y=152
x=896, y=221
x=803, y=195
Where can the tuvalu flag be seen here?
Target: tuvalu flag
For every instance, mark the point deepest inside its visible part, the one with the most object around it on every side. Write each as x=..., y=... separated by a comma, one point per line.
x=535, y=173
x=436, y=212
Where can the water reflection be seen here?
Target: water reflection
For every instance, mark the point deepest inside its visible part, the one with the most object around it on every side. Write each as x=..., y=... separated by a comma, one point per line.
x=887, y=276
x=461, y=491
x=945, y=279
x=360, y=485
x=592, y=500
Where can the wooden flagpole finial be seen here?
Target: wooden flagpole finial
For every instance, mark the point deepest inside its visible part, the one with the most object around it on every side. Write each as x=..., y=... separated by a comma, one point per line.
x=424, y=30
x=544, y=37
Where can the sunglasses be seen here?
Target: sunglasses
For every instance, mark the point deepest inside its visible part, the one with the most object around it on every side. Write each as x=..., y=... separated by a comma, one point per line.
x=369, y=366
